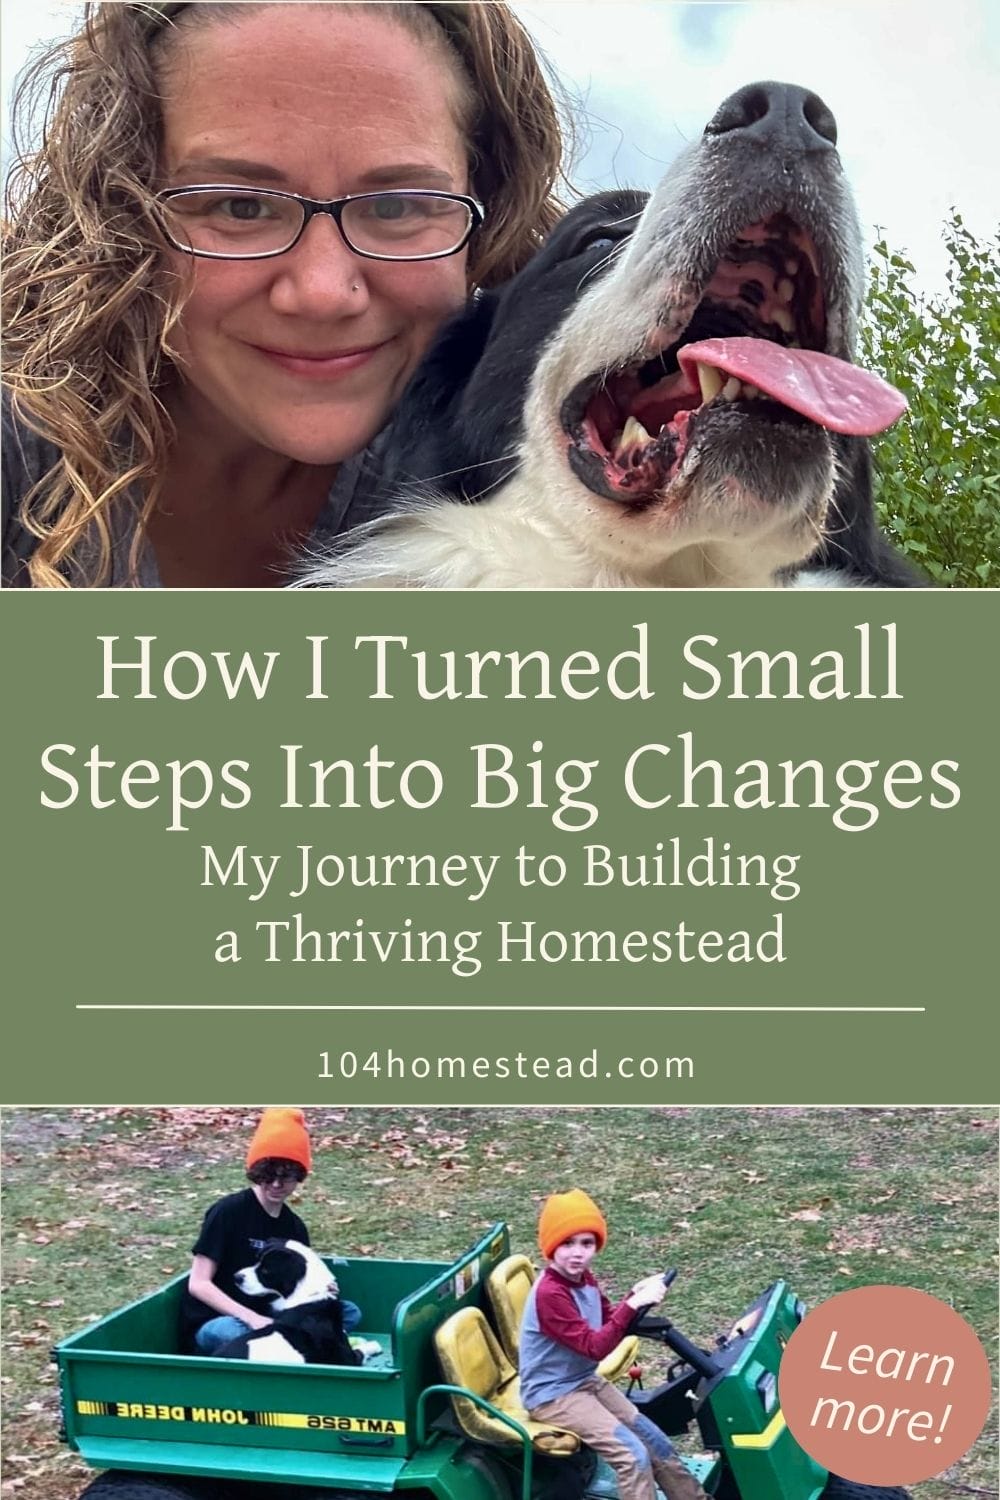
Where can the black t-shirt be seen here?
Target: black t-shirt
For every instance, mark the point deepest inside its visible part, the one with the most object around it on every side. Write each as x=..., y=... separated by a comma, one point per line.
x=232, y=1234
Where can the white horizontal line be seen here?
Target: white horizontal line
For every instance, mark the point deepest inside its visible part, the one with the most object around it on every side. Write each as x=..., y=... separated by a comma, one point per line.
x=611, y=1010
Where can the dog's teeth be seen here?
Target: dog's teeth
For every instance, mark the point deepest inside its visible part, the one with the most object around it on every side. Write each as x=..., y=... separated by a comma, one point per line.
x=731, y=389
x=791, y=266
x=710, y=380
x=786, y=291
x=784, y=319
x=634, y=435
x=750, y=392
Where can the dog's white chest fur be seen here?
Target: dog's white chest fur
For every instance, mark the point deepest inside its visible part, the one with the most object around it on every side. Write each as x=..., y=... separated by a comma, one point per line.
x=531, y=535
x=274, y=1349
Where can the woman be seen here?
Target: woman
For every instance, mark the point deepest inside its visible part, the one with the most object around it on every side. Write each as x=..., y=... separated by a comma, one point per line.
x=243, y=229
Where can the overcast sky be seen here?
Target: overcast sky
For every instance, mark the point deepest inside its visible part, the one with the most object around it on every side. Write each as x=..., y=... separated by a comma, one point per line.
x=913, y=84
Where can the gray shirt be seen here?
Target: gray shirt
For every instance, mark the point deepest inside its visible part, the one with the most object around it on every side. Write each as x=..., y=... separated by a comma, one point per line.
x=354, y=497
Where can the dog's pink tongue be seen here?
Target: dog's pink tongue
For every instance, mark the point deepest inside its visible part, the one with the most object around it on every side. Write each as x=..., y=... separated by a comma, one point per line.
x=829, y=391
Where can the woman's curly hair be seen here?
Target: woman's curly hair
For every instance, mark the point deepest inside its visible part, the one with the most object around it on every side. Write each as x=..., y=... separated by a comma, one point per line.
x=88, y=300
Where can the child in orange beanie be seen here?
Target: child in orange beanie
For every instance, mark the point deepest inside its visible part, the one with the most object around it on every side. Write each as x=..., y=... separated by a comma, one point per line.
x=568, y=1327
x=234, y=1230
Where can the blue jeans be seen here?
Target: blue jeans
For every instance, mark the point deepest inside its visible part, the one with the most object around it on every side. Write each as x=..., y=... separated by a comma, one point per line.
x=218, y=1331
x=352, y=1315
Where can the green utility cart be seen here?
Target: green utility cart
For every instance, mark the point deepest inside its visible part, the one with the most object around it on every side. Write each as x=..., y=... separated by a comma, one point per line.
x=435, y=1413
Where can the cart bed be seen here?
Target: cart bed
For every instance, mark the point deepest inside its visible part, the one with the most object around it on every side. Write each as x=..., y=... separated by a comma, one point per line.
x=130, y=1401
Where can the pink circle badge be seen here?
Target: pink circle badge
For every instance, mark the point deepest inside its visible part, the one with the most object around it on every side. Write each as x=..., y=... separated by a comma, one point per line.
x=885, y=1385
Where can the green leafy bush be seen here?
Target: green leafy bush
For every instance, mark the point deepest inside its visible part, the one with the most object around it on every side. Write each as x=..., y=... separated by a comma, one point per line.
x=938, y=469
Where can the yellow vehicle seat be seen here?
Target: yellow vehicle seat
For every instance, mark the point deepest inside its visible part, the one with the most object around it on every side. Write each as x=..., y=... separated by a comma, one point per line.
x=508, y=1285
x=471, y=1357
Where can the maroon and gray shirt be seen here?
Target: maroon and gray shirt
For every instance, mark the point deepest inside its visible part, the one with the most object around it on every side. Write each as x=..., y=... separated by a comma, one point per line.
x=568, y=1327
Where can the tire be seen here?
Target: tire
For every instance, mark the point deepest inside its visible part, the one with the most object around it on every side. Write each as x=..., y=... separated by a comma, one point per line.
x=847, y=1489
x=490, y=1468
x=295, y=1492
x=118, y=1485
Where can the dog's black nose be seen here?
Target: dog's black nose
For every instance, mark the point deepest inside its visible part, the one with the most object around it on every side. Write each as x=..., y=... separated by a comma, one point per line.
x=780, y=116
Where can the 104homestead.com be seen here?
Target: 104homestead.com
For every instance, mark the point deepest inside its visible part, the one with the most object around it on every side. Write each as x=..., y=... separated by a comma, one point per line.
x=385, y=1063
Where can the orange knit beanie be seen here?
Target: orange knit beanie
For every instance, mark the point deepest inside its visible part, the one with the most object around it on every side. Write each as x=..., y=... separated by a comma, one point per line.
x=282, y=1133
x=566, y=1214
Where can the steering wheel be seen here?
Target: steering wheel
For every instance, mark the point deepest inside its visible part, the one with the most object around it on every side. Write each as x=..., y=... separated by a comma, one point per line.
x=664, y=1332
x=642, y=1314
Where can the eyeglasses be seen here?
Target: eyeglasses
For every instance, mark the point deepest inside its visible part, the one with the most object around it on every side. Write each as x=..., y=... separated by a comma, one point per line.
x=284, y=1174
x=238, y=223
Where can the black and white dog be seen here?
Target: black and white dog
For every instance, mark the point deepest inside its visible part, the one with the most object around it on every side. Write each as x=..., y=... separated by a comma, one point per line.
x=664, y=397
x=308, y=1325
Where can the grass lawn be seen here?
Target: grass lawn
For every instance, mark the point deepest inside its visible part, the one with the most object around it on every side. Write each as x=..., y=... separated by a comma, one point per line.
x=102, y=1205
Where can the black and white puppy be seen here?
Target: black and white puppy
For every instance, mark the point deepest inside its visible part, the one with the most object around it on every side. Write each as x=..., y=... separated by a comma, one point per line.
x=664, y=397
x=308, y=1325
